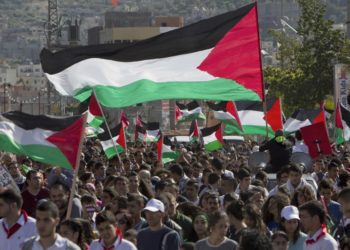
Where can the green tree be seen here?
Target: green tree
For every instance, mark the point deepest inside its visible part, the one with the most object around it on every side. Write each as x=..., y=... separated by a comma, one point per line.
x=305, y=75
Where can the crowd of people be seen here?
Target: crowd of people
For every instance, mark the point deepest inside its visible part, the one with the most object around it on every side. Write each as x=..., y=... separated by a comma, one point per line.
x=203, y=200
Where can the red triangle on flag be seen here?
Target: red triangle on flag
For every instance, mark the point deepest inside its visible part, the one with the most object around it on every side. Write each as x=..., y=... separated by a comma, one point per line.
x=195, y=129
x=124, y=120
x=231, y=108
x=160, y=147
x=274, y=116
x=178, y=113
x=68, y=140
x=218, y=135
x=94, y=107
x=338, y=117
x=239, y=55
x=121, y=139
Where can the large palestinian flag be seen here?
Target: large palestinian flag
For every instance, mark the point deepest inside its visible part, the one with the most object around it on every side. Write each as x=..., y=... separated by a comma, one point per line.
x=212, y=137
x=113, y=145
x=253, y=119
x=302, y=118
x=164, y=151
x=215, y=59
x=226, y=112
x=342, y=124
x=48, y=139
x=188, y=112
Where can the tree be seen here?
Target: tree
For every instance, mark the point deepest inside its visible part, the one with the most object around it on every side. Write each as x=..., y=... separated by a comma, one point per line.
x=305, y=75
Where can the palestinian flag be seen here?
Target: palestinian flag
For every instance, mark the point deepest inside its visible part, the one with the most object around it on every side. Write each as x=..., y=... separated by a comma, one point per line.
x=140, y=131
x=194, y=131
x=124, y=120
x=91, y=132
x=95, y=115
x=48, y=139
x=189, y=112
x=152, y=131
x=301, y=118
x=212, y=137
x=165, y=153
x=342, y=124
x=226, y=112
x=117, y=144
x=216, y=59
x=253, y=119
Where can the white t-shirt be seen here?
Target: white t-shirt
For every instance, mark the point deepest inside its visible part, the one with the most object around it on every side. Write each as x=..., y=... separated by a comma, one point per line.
x=325, y=243
x=15, y=241
x=120, y=245
x=60, y=244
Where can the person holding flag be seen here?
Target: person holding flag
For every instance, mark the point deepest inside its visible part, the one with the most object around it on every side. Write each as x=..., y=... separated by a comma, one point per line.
x=279, y=151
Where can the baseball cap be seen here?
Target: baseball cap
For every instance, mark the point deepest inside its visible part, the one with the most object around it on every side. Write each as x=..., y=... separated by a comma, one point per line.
x=154, y=205
x=290, y=213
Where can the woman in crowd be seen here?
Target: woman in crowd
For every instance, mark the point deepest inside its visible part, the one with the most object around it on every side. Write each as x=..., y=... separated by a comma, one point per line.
x=73, y=230
x=272, y=210
x=200, y=227
x=253, y=219
x=279, y=241
x=302, y=195
x=290, y=224
x=218, y=225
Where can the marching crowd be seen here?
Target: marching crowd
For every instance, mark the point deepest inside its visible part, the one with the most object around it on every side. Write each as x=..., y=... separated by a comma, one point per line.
x=200, y=201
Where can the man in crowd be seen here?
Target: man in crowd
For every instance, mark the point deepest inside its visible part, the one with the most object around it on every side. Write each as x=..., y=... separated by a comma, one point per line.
x=110, y=238
x=16, y=174
x=245, y=180
x=191, y=192
x=178, y=174
x=135, y=207
x=59, y=194
x=343, y=229
x=313, y=219
x=47, y=220
x=122, y=185
x=16, y=225
x=157, y=235
x=295, y=180
x=34, y=192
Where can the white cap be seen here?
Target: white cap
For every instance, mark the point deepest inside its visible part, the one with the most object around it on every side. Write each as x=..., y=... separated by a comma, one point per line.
x=290, y=213
x=154, y=205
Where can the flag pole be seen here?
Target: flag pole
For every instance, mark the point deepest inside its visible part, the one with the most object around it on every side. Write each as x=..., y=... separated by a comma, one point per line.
x=108, y=129
x=262, y=73
x=76, y=170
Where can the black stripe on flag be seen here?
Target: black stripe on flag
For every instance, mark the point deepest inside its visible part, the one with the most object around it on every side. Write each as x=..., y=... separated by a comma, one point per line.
x=199, y=36
x=220, y=106
x=105, y=136
x=46, y=122
x=345, y=115
x=210, y=130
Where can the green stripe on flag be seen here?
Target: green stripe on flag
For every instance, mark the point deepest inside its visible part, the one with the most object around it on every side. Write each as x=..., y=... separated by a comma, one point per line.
x=248, y=130
x=146, y=90
x=41, y=153
x=339, y=136
x=110, y=152
x=214, y=145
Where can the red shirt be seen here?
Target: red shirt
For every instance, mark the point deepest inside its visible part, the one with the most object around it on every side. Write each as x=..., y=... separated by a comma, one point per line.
x=30, y=201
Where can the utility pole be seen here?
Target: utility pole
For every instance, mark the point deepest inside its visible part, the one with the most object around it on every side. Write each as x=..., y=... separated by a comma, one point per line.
x=52, y=38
